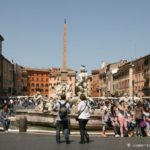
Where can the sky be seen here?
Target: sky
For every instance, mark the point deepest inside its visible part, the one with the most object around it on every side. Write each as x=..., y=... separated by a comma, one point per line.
x=97, y=30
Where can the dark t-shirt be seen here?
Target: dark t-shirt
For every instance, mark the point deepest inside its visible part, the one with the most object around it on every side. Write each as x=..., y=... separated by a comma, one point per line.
x=138, y=112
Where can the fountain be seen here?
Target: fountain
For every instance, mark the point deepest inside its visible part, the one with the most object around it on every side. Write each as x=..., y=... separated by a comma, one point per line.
x=43, y=113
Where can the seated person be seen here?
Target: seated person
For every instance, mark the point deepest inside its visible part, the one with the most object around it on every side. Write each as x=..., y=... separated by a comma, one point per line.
x=4, y=118
x=114, y=119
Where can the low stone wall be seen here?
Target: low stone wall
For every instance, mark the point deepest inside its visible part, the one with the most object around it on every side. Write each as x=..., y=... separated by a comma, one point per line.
x=48, y=119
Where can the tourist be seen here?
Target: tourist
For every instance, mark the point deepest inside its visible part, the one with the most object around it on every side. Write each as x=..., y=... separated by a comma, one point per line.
x=11, y=107
x=131, y=124
x=4, y=118
x=105, y=117
x=139, y=118
x=121, y=118
x=146, y=121
x=84, y=115
x=114, y=120
x=62, y=120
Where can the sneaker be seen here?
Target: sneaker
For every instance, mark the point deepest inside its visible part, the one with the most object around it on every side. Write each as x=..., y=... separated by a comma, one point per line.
x=6, y=131
x=122, y=135
x=117, y=135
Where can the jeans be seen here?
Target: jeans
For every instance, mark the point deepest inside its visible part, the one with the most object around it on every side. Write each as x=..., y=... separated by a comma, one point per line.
x=116, y=129
x=138, y=128
x=62, y=125
x=5, y=123
x=83, y=131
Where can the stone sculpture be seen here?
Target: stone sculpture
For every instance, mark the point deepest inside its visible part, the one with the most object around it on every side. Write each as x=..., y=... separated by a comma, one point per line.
x=38, y=99
x=81, y=82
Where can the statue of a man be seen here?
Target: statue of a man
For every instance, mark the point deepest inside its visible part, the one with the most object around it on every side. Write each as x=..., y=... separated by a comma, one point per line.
x=38, y=101
x=81, y=84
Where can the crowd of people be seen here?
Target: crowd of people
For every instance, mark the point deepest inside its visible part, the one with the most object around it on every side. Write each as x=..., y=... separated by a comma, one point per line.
x=127, y=118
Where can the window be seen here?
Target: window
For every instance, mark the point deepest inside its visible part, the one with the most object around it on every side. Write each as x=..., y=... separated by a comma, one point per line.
x=146, y=62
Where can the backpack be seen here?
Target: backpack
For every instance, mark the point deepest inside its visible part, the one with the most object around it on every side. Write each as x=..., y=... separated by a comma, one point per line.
x=63, y=110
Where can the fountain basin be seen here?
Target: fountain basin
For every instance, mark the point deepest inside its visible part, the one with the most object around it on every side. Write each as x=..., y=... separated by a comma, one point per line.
x=49, y=119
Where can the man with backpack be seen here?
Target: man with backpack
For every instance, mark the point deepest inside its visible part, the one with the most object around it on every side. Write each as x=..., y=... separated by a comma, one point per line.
x=62, y=120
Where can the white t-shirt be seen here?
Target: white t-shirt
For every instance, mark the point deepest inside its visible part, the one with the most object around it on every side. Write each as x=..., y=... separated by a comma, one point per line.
x=105, y=111
x=84, y=108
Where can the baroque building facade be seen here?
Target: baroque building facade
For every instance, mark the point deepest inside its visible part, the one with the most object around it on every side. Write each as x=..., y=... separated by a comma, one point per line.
x=117, y=79
x=37, y=80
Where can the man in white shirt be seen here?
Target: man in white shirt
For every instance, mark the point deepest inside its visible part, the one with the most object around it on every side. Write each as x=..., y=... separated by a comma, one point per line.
x=84, y=115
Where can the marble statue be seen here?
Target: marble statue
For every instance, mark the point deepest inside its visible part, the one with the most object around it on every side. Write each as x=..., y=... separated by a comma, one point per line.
x=81, y=82
x=38, y=99
x=45, y=104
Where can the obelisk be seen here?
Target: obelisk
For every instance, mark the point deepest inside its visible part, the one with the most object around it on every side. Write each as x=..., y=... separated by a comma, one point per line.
x=64, y=72
x=64, y=63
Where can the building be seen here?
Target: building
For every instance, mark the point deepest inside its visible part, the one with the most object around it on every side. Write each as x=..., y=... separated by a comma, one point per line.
x=138, y=77
x=106, y=80
x=96, y=89
x=1, y=58
x=6, y=74
x=146, y=88
x=20, y=80
x=37, y=80
x=133, y=78
x=24, y=82
x=121, y=80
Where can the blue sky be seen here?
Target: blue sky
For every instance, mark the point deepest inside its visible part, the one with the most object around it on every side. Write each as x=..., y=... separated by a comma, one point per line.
x=98, y=30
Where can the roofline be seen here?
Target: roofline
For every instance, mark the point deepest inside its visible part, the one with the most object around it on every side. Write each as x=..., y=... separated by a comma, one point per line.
x=36, y=69
x=140, y=58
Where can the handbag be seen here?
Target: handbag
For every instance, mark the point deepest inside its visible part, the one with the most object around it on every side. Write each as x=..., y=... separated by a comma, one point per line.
x=79, y=113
